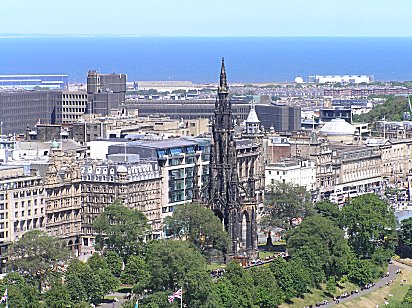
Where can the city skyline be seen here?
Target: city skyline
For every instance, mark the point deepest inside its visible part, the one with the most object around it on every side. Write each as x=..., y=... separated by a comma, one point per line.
x=208, y=18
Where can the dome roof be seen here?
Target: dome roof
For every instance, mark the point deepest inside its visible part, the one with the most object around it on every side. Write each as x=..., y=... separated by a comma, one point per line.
x=252, y=116
x=337, y=127
x=121, y=169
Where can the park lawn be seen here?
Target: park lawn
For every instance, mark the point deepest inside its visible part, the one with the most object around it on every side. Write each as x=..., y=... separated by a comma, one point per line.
x=110, y=297
x=264, y=254
x=124, y=288
x=214, y=266
x=377, y=297
x=318, y=295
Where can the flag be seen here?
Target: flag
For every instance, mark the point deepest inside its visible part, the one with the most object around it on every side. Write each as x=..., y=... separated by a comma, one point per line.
x=170, y=298
x=177, y=294
x=4, y=298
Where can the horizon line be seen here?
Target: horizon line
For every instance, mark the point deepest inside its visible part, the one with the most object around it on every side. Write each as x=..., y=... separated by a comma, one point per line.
x=56, y=35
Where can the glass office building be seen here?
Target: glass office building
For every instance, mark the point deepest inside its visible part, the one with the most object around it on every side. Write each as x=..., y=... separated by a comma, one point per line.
x=30, y=82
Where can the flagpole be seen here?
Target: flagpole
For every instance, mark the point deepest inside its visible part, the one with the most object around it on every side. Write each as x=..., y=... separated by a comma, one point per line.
x=181, y=300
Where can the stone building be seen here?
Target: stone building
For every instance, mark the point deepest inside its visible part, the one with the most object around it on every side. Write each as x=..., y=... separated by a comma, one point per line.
x=137, y=184
x=357, y=171
x=63, y=197
x=297, y=172
x=22, y=205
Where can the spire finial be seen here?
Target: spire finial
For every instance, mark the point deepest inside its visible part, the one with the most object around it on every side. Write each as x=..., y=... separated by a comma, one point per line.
x=223, y=82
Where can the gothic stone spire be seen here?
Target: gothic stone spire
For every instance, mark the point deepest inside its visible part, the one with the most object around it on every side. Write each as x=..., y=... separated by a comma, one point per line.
x=223, y=87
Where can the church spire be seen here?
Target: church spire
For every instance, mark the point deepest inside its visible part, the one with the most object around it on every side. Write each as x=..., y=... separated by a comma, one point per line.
x=223, y=87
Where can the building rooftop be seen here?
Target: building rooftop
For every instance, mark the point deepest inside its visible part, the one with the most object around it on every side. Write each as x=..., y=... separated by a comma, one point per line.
x=166, y=143
x=337, y=127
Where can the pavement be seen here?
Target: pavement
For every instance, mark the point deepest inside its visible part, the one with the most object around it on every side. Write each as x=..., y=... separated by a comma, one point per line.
x=118, y=304
x=381, y=283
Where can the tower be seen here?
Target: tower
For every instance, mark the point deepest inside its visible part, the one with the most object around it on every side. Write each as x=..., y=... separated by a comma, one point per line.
x=252, y=121
x=223, y=194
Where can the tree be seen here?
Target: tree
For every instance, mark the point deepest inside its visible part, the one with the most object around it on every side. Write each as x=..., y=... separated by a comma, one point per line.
x=313, y=262
x=266, y=292
x=37, y=254
x=99, y=266
x=136, y=273
x=392, y=110
x=331, y=285
x=292, y=277
x=362, y=272
x=405, y=236
x=199, y=225
x=92, y=285
x=408, y=297
x=20, y=293
x=83, y=283
x=97, y=262
x=242, y=284
x=225, y=294
x=121, y=230
x=319, y=235
x=176, y=264
x=370, y=224
x=328, y=210
x=284, y=203
x=57, y=296
x=114, y=261
x=157, y=300
x=75, y=288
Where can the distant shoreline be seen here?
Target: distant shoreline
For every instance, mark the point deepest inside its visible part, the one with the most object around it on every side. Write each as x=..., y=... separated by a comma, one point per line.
x=257, y=60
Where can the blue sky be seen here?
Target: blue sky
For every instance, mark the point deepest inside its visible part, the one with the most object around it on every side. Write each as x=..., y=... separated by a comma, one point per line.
x=208, y=17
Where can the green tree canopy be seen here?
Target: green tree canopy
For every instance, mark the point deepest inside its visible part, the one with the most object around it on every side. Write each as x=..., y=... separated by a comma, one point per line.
x=284, y=203
x=328, y=210
x=199, y=225
x=37, y=254
x=362, y=272
x=121, y=230
x=326, y=240
x=20, y=292
x=293, y=278
x=114, y=262
x=391, y=110
x=266, y=292
x=87, y=285
x=57, y=296
x=176, y=264
x=136, y=273
x=405, y=236
x=370, y=224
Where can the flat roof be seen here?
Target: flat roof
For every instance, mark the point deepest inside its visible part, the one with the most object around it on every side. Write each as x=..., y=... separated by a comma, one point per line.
x=166, y=143
x=42, y=75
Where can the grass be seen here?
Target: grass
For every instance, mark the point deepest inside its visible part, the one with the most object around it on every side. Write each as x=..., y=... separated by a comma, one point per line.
x=317, y=295
x=276, y=243
x=214, y=266
x=377, y=297
x=264, y=254
x=124, y=288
